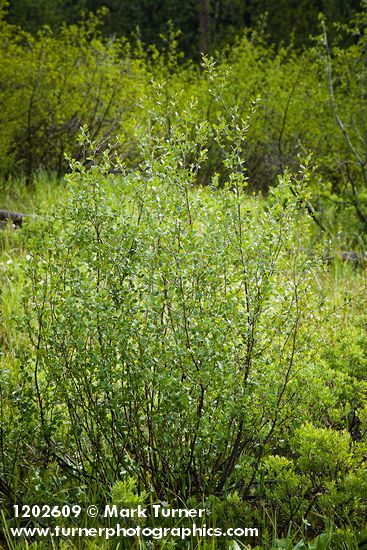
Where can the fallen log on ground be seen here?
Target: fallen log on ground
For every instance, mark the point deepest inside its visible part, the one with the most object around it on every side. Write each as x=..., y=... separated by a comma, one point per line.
x=346, y=256
x=16, y=218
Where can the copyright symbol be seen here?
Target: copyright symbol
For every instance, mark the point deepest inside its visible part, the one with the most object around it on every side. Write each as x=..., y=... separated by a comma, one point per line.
x=92, y=511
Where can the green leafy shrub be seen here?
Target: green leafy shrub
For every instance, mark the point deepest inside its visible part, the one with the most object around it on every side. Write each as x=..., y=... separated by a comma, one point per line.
x=325, y=479
x=168, y=326
x=180, y=343
x=310, y=101
x=52, y=85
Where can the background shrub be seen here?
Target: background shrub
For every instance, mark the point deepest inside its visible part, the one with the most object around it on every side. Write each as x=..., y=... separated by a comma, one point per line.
x=52, y=85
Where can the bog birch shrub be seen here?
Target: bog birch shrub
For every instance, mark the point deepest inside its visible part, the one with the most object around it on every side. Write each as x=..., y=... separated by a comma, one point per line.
x=172, y=327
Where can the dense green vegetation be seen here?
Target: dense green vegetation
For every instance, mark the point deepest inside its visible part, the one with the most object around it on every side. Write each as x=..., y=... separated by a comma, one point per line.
x=53, y=84
x=178, y=323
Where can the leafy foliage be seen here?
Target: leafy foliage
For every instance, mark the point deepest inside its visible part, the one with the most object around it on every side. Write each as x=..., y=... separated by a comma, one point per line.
x=51, y=86
x=54, y=84
x=170, y=341
x=174, y=342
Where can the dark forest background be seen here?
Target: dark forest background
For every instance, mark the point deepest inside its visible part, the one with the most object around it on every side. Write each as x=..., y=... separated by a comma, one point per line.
x=204, y=24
